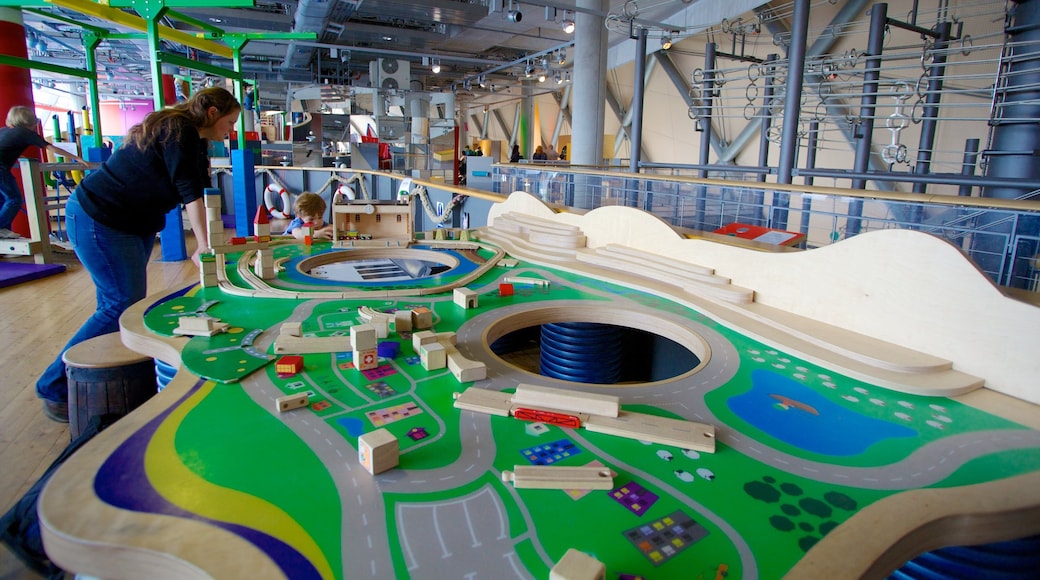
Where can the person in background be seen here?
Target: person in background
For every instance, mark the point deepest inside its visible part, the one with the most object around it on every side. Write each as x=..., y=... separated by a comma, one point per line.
x=114, y=214
x=309, y=209
x=539, y=154
x=19, y=133
x=550, y=153
x=515, y=156
x=563, y=153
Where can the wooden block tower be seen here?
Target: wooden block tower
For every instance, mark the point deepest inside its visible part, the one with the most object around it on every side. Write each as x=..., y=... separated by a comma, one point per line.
x=264, y=267
x=214, y=237
x=214, y=221
x=364, y=343
x=378, y=451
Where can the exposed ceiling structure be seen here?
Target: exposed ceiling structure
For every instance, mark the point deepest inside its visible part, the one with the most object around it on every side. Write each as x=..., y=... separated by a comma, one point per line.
x=463, y=38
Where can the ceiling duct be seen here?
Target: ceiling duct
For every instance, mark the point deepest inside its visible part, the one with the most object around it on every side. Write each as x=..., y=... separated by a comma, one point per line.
x=311, y=15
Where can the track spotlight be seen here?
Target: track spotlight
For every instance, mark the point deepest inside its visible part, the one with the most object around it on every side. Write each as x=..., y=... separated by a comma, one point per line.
x=529, y=70
x=515, y=15
x=666, y=42
x=482, y=81
x=541, y=78
x=558, y=78
x=561, y=57
x=568, y=22
x=436, y=68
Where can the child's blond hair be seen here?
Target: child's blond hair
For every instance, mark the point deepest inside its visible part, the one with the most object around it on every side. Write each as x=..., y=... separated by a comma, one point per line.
x=309, y=204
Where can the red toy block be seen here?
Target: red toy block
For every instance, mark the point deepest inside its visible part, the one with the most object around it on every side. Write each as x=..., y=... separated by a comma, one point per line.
x=289, y=365
x=505, y=289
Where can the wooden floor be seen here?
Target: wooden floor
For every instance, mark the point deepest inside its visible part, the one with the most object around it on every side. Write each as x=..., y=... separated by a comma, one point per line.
x=36, y=319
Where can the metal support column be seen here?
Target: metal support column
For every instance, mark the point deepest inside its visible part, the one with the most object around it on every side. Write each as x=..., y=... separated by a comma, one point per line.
x=639, y=89
x=792, y=110
x=767, y=102
x=875, y=46
x=971, y=157
x=636, y=112
x=930, y=113
x=704, y=125
x=810, y=163
x=757, y=209
x=1014, y=145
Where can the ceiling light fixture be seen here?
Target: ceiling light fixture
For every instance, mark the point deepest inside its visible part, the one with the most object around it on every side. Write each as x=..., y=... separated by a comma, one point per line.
x=482, y=81
x=666, y=42
x=541, y=77
x=561, y=58
x=436, y=68
x=514, y=13
x=568, y=22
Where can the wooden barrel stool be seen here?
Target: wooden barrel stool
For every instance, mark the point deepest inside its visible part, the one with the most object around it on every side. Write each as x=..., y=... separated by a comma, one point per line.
x=105, y=377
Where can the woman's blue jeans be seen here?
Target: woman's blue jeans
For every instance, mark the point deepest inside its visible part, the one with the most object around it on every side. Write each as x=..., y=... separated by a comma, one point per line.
x=10, y=198
x=117, y=262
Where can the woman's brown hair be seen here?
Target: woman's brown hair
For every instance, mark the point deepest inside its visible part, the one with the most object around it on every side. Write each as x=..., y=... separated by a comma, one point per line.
x=168, y=123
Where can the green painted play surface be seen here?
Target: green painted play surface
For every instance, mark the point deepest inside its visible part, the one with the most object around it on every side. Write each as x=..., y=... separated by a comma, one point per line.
x=786, y=471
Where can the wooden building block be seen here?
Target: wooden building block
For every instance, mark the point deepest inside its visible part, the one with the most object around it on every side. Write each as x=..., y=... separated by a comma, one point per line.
x=422, y=337
x=291, y=329
x=526, y=280
x=200, y=326
x=684, y=434
x=402, y=321
x=484, y=401
x=363, y=337
x=505, y=290
x=465, y=370
x=290, y=402
x=559, y=477
x=567, y=400
x=208, y=280
x=366, y=359
x=422, y=318
x=577, y=565
x=378, y=451
x=288, y=344
x=465, y=297
x=433, y=356
x=377, y=320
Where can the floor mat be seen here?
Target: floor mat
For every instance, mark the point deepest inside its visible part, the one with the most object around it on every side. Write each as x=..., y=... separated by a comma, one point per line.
x=12, y=273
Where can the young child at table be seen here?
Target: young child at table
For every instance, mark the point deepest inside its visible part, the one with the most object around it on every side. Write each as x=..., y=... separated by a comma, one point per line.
x=309, y=208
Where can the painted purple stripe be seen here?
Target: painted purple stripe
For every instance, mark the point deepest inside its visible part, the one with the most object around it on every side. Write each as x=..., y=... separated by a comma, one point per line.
x=122, y=482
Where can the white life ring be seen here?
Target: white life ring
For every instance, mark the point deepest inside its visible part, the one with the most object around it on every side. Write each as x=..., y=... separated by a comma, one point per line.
x=344, y=192
x=275, y=196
